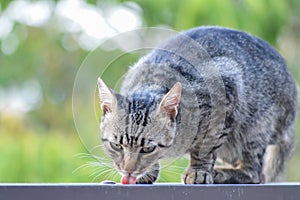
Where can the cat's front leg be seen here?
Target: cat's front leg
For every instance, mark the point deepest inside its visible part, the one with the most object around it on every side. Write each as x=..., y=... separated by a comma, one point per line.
x=149, y=177
x=200, y=170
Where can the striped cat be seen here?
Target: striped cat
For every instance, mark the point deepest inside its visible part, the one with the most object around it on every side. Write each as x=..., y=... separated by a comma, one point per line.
x=209, y=92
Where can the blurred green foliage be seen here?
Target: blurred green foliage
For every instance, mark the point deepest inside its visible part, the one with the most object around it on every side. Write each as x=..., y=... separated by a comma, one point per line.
x=41, y=144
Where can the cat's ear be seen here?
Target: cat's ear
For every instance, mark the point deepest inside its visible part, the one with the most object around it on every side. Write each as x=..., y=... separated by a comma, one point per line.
x=169, y=103
x=107, y=98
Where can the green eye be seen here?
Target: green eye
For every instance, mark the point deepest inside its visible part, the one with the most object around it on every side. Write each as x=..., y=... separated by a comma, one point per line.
x=116, y=146
x=149, y=149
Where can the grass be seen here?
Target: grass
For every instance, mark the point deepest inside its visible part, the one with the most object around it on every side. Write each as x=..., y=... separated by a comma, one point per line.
x=32, y=157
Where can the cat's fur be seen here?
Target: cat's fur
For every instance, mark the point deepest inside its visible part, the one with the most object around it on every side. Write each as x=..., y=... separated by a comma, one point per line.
x=232, y=99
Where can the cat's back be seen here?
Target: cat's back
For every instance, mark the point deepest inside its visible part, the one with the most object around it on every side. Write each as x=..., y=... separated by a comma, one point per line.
x=240, y=57
x=255, y=57
x=220, y=41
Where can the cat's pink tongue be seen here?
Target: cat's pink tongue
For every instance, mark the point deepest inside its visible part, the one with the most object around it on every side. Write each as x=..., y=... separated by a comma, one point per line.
x=128, y=180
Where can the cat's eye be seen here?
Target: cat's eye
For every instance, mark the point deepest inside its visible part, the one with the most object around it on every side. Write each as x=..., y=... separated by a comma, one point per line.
x=116, y=146
x=148, y=149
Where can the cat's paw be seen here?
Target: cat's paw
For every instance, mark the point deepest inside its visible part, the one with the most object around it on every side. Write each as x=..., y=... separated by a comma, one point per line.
x=147, y=179
x=197, y=176
x=144, y=180
x=236, y=176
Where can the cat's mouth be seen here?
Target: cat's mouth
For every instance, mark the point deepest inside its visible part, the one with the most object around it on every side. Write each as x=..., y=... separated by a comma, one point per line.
x=128, y=179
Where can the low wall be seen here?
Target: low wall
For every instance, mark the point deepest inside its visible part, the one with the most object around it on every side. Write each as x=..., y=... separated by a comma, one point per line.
x=282, y=191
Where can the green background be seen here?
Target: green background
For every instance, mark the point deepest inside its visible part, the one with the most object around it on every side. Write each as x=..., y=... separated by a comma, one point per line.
x=42, y=145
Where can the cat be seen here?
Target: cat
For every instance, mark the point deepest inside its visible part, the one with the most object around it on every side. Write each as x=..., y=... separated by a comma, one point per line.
x=210, y=92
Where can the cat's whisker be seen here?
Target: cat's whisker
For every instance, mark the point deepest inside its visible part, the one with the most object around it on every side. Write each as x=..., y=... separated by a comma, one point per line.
x=91, y=164
x=97, y=170
x=101, y=164
x=83, y=155
x=96, y=147
x=102, y=160
x=100, y=171
x=110, y=175
x=115, y=175
x=91, y=156
x=80, y=167
x=103, y=172
x=98, y=158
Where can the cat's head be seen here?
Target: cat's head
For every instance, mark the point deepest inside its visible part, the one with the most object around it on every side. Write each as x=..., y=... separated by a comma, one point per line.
x=137, y=131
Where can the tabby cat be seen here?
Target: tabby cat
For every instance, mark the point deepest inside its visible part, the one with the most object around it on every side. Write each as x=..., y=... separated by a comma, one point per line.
x=210, y=92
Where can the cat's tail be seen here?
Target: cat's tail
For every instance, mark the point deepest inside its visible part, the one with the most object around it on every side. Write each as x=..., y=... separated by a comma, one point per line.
x=276, y=156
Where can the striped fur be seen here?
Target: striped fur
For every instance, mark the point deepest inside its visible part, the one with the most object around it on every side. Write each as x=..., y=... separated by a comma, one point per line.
x=210, y=92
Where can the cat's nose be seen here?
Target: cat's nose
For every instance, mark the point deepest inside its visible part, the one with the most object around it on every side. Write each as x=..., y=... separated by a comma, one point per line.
x=129, y=167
